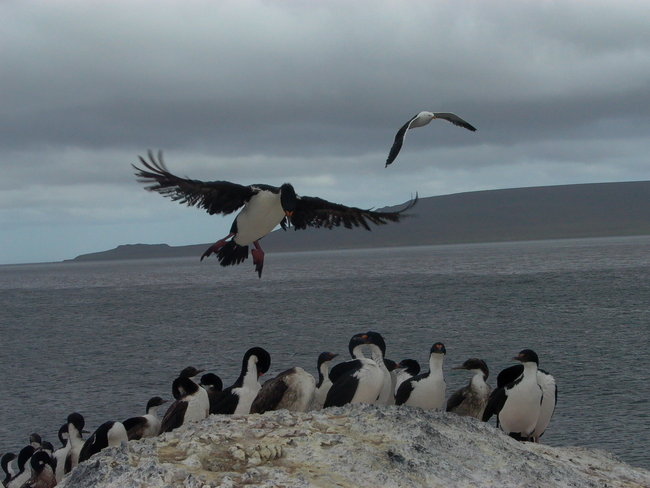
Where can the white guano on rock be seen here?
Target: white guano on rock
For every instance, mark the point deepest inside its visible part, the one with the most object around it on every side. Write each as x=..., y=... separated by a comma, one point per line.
x=351, y=446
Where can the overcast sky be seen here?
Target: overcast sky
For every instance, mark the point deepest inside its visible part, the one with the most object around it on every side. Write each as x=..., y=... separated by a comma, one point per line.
x=306, y=92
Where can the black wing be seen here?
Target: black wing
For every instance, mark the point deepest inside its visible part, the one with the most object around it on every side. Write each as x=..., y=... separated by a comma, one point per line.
x=228, y=403
x=270, y=394
x=454, y=119
x=342, y=368
x=399, y=140
x=215, y=197
x=215, y=398
x=174, y=416
x=342, y=391
x=509, y=375
x=455, y=400
x=495, y=403
x=404, y=391
x=316, y=212
x=135, y=427
x=87, y=449
x=92, y=446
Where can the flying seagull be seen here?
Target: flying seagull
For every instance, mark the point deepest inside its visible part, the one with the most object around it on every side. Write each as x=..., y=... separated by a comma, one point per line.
x=264, y=207
x=420, y=120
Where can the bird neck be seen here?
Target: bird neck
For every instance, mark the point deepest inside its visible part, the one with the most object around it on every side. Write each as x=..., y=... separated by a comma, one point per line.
x=530, y=369
x=323, y=372
x=478, y=379
x=357, y=352
x=435, y=362
x=377, y=355
x=249, y=375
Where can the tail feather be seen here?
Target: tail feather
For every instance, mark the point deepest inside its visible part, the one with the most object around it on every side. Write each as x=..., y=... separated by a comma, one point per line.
x=232, y=253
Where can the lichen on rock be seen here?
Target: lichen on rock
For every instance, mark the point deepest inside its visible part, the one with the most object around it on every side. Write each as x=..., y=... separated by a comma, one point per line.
x=351, y=446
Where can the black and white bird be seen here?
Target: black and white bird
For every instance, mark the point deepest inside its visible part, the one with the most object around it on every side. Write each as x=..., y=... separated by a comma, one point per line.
x=471, y=399
x=549, y=391
x=192, y=402
x=42, y=471
x=324, y=382
x=76, y=430
x=214, y=387
x=61, y=454
x=420, y=120
x=47, y=447
x=406, y=368
x=238, y=398
x=109, y=434
x=517, y=403
x=24, y=468
x=292, y=390
x=35, y=440
x=147, y=425
x=362, y=379
x=7, y=468
x=264, y=208
x=426, y=390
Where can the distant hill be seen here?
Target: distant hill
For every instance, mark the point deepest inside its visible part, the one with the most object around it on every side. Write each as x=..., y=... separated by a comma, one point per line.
x=536, y=213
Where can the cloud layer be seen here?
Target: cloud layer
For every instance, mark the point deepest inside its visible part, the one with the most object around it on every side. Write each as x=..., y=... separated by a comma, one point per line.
x=312, y=93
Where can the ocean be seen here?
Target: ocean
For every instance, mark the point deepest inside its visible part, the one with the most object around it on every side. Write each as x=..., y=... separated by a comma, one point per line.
x=101, y=338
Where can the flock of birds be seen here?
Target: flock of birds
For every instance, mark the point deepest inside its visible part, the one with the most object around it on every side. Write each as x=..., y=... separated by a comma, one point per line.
x=523, y=401
x=265, y=206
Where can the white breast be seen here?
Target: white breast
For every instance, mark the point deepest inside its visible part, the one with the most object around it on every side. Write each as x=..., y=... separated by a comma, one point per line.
x=198, y=406
x=386, y=396
x=22, y=478
x=371, y=380
x=76, y=443
x=116, y=435
x=261, y=215
x=547, y=382
x=153, y=426
x=247, y=394
x=60, y=456
x=428, y=393
x=321, y=394
x=521, y=409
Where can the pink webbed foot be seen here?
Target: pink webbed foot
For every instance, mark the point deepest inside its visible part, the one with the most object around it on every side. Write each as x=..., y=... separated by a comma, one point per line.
x=258, y=258
x=214, y=248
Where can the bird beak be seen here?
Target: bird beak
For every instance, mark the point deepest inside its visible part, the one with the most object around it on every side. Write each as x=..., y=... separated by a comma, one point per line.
x=457, y=367
x=288, y=213
x=517, y=358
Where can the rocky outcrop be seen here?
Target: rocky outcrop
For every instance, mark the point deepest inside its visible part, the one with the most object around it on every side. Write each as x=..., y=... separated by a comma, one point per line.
x=352, y=446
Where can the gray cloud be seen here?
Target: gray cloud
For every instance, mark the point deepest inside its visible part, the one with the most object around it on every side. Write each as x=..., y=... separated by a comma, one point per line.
x=308, y=93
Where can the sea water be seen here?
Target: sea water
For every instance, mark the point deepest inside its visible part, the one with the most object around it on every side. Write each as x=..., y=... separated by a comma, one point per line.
x=101, y=338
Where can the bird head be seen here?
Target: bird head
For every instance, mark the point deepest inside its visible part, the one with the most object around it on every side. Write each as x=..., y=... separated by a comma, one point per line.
x=527, y=356
x=325, y=356
x=288, y=199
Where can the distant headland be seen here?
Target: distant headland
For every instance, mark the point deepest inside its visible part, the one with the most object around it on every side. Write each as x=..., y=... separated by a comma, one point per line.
x=518, y=214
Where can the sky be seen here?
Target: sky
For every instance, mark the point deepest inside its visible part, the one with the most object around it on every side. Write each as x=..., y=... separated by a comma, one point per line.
x=305, y=92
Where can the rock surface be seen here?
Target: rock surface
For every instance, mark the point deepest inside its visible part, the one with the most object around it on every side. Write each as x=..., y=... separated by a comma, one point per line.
x=352, y=446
